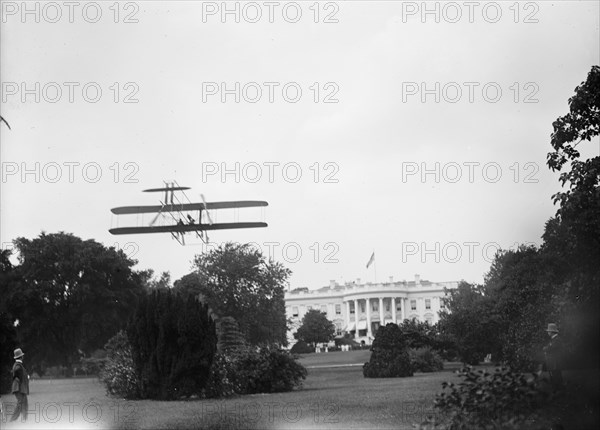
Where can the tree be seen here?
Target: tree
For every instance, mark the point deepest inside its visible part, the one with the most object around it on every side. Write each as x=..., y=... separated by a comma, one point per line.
x=520, y=289
x=235, y=280
x=573, y=236
x=418, y=334
x=151, y=283
x=8, y=340
x=315, y=328
x=469, y=322
x=72, y=296
x=173, y=341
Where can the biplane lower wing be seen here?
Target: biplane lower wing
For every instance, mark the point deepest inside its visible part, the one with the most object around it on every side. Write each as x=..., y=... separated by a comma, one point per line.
x=126, y=210
x=185, y=228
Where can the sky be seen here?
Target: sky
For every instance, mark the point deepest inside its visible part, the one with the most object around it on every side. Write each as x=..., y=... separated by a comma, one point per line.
x=415, y=131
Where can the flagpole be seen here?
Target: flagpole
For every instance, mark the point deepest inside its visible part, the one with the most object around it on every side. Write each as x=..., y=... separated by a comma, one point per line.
x=375, y=268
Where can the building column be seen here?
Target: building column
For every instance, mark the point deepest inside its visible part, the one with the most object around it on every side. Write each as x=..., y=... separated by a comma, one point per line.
x=355, y=318
x=369, y=317
x=381, y=311
x=394, y=310
x=347, y=314
x=402, y=309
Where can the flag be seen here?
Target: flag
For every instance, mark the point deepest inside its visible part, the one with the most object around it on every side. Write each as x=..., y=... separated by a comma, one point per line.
x=371, y=260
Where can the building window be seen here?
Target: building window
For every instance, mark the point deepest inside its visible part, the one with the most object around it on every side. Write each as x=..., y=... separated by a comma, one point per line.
x=352, y=307
x=308, y=308
x=429, y=319
x=362, y=307
x=413, y=305
x=388, y=305
x=399, y=305
x=295, y=311
x=324, y=308
x=427, y=303
x=375, y=306
x=338, y=309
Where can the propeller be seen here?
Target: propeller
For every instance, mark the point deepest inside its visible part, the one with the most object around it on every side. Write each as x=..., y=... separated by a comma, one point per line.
x=210, y=221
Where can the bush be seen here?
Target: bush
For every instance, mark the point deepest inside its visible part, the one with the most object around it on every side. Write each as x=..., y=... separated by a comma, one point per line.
x=118, y=372
x=483, y=400
x=268, y=370
x=425, y=360
x=390, y=356
x=249, y=371
x=302, y=347
x=221, y=379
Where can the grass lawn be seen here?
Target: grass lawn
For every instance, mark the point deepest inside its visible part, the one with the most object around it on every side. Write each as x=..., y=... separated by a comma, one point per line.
x=336, y=396
x=332, y=397
x=335, y=358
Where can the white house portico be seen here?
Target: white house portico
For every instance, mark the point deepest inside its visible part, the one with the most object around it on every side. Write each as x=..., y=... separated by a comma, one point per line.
x=359, y=309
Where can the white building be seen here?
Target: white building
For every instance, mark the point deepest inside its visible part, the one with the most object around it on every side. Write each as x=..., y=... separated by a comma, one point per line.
x=359, y=309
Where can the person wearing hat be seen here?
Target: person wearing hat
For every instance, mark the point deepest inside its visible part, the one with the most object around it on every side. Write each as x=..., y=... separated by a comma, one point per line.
x=20, y=386
x=553, y=352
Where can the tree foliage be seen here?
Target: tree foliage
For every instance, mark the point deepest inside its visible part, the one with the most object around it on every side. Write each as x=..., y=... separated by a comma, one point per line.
x=70, y=296
x=8, y=340
x=527, y=288
x=237, y=281
x=173, y=342
x=315, y=328
x=469, y=322
x=573, y=236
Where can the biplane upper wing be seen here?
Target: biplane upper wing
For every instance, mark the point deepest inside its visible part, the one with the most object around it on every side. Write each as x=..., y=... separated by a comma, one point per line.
x=153, y=190
x=124, y=210
x=185, y=228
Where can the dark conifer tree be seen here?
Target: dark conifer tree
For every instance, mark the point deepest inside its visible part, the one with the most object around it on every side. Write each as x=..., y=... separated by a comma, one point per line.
x=173, y=342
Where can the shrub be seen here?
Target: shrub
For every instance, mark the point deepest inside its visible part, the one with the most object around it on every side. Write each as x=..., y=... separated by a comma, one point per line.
x=251, y=370
x=484, y=400
x=118, y=372
x=425, y=360
x=301, y=347
x=268, y=370
x=390, y=356
x=221, y=379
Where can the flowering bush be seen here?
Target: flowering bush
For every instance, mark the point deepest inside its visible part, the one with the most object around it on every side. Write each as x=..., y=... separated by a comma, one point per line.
x=251, y=370
x=118, y=373
x=221, y=379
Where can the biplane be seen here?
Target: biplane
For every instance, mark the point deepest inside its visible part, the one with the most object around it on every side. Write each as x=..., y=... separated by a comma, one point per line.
x=178, y=215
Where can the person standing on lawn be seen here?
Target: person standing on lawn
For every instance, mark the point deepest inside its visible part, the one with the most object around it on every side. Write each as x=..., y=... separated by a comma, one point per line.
x=20, y=386
x=553, y=353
